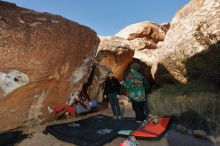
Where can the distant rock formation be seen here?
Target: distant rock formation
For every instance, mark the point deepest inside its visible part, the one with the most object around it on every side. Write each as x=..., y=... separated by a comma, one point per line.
x=43, y=59
x=145, y=37
x=147, y=30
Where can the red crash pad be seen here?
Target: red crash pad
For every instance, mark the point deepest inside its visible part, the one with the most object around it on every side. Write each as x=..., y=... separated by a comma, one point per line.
x=151, y=131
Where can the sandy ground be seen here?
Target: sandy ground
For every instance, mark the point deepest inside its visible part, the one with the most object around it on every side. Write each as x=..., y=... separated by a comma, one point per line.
x=172, y=138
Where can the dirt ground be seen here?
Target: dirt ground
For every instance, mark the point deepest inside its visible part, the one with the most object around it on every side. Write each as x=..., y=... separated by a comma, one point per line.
x=172, y=138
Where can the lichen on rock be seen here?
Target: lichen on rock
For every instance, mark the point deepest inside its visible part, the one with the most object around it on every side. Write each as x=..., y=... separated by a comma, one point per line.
x=12, y=80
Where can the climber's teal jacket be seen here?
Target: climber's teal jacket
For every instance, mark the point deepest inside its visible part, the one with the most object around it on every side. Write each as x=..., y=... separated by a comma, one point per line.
x=134, y=84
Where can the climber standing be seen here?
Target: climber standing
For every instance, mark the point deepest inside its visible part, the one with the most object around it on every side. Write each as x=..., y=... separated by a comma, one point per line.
x=111, y=91
x=136, y=91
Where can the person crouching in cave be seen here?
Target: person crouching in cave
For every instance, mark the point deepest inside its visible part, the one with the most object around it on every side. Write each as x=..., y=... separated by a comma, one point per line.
x=111, y=91
x=136, y=91
x=76, y=104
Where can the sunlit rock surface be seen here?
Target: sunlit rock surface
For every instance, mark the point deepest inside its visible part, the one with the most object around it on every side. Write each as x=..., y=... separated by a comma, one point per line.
x=192, y=43
x=43, y=59
x=145, y=38
x=114, y=54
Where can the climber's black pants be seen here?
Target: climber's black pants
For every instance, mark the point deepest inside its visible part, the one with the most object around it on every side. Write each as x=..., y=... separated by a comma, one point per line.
x=138, y=108
x=114, y=104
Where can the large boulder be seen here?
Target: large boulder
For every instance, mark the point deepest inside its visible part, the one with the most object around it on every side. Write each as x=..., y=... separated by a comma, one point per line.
x=190, y=55
x=114, y=54
x=192, y=42
x=44, y=58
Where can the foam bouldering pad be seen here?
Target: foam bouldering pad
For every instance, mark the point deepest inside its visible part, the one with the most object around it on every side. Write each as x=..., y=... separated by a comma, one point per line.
x=11, y=138
x=93, y=131
x=151, y=131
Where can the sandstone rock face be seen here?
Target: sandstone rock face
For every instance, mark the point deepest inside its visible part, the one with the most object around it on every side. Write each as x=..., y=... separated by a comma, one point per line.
x=115, y=54
x=192, y=42
x=145, y=37
x=43, y=59
x=148, y=30
x=96, y=89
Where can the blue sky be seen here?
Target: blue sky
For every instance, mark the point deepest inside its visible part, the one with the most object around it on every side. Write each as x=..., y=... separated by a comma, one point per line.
x=107, y=17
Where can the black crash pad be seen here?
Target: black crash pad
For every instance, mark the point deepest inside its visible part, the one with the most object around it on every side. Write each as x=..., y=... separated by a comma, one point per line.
x=94, y=131
x=10, y=138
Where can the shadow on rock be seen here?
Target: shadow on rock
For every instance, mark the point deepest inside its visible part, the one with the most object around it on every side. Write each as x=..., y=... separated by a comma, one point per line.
x=196, y=104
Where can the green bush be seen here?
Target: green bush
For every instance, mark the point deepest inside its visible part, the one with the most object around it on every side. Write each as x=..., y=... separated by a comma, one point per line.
x=196, y=105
